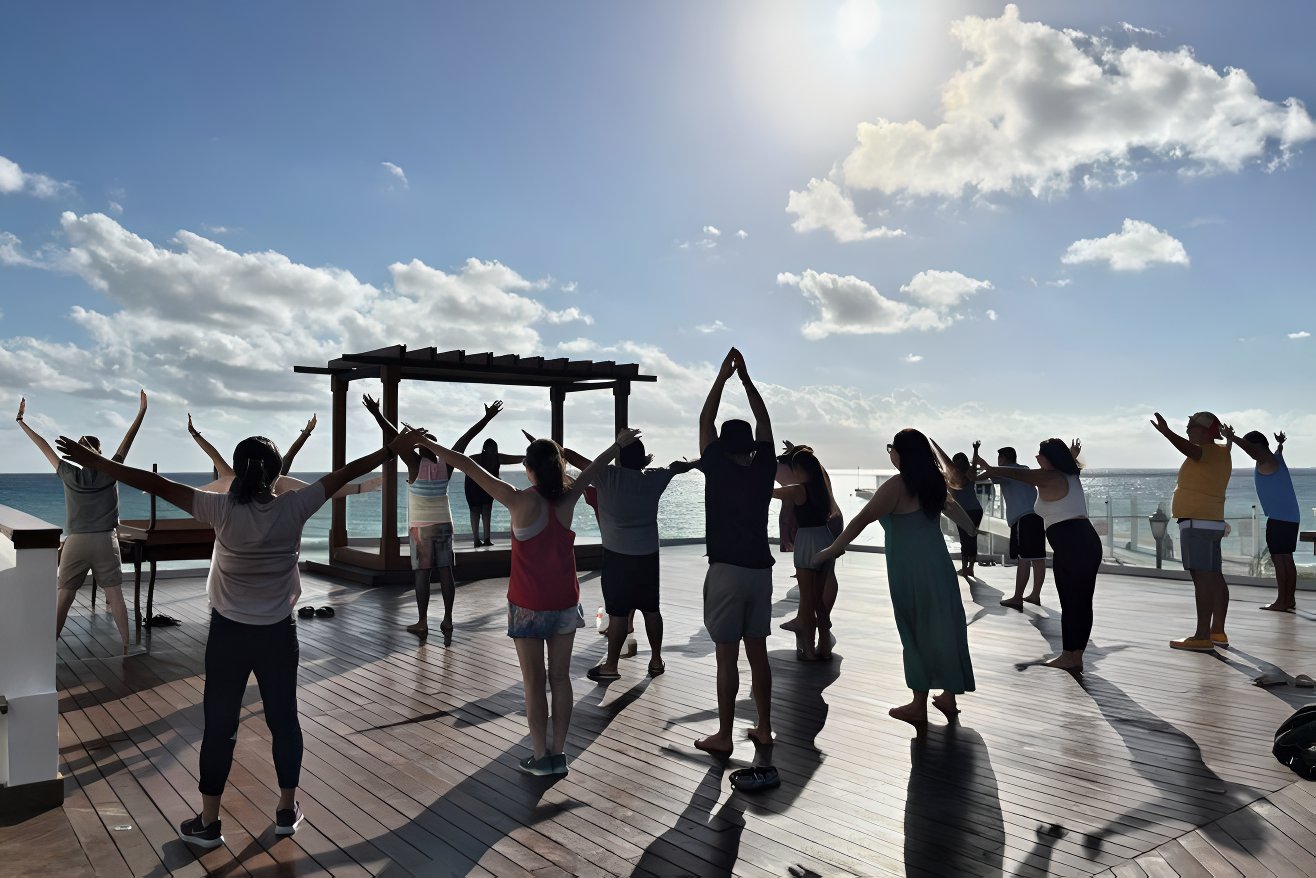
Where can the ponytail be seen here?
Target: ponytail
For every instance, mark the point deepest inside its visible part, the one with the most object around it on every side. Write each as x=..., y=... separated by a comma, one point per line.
x=256, y=465
x=544, y=459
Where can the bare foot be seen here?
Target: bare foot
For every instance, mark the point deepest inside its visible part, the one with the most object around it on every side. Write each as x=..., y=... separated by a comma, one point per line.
x=446, y=626
x=946, y=704
x=716, y=745
x=1034, y=599
x=1280, y=608
x=421, y=628
x=792, y=624
x=762, y=738
x=1067, y=662
x=915, y=715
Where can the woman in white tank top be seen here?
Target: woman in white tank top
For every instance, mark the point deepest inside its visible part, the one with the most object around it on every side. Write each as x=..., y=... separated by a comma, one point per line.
x=1075, y=546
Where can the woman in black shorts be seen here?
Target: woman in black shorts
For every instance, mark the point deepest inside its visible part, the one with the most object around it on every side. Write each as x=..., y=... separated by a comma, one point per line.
x=479, y=501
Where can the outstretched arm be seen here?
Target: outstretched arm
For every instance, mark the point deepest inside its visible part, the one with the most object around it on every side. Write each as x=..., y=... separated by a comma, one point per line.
x=883, y=502
x=708, y=415
x=681, y=467
x=297, y=446
x=1256, y=452
x=338, y=479
x=762, y=423
x=408, y=454
x=222, y=469
x=955, y=512
x=495, y=487
x=39, y=442
x=576, y=459
x=1186, y=448
x=152, y=483
x=490, y=412
x=624, y=438
x=122, y=453
x=1279, y=439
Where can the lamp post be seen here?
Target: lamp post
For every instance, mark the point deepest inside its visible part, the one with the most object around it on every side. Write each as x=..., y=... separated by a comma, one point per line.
x=1158, y=521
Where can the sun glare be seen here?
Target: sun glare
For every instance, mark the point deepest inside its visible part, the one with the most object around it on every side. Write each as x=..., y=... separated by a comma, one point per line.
x=857, y=23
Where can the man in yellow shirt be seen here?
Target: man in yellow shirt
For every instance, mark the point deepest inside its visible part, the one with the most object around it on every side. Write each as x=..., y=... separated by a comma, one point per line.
x=1199, y=507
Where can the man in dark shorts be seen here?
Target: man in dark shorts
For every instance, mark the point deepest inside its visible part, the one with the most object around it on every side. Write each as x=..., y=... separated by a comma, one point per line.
x=739, y=466
x=1027, y=533
x=627, y=507
x=1279, y=501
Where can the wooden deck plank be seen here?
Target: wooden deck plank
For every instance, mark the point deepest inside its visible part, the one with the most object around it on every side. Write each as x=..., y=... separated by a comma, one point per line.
x=411, y=747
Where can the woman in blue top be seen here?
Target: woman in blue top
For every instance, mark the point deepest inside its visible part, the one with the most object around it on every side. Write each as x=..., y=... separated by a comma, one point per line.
x=1280, y=504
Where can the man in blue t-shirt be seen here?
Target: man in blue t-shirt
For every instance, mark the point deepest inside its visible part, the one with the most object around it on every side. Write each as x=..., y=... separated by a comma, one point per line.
x=739, y=466
x=1027, y=534
x=1279, y=501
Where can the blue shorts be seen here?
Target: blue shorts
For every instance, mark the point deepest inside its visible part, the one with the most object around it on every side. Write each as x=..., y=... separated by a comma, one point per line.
x=543, y=624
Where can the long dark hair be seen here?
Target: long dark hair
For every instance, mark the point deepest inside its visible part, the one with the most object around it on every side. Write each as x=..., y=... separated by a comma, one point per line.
x=920, y=471
x=256, y=465
x=818, y=490
x=543, y=457
x=1057, y=452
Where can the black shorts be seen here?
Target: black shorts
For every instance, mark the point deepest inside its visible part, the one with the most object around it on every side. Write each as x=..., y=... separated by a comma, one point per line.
x=1028, y=538
x=630, y=582
x=1281, y=536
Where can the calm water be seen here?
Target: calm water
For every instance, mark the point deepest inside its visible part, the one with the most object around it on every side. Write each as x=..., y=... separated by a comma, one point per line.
x=681, y=513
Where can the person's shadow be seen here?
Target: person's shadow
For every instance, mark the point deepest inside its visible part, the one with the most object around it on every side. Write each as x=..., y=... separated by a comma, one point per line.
x=701, y=842
x=1287, y=692
x=988, y=599
x=953, y=820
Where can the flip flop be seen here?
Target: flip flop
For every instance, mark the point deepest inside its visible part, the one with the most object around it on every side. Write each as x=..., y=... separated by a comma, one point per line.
x=324, y=613
x=1304, y=681
x=756, y=779
x=305, y=612
x=600, y=676
x=657, y=670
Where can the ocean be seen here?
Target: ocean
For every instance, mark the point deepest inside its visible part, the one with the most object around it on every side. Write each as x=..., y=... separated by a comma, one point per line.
x=1119, y=501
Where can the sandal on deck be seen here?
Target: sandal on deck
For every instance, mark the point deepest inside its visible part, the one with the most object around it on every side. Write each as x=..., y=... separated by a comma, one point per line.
x=305, y=612
x=324, y=613
x=598, y=675
x=756, y=779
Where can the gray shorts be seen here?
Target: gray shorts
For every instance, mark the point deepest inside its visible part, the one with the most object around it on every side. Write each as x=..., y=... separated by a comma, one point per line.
x=737, y=602
x=430, y=546
x=98, y=552
x=1199, y=546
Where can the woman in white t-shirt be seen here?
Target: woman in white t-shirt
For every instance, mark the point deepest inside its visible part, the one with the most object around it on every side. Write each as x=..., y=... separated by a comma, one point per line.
x=253, y=587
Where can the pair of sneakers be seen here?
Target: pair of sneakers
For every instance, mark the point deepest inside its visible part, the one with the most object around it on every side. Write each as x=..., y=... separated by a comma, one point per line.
x=548, y=764
x=208, y=835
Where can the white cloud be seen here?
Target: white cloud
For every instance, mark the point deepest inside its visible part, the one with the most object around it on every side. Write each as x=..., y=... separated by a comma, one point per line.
x=12, y=253
x=1302, y=333
x=913, y=358
x=942, y=290
x=116, y=207
x=1134, y=29
x=398, y=174
x=216, y=230
x=848, y=305
x=568, y=287
x=742, y=234
x=1134, y=247
x=1060, y=282
x=991, y=314
x=822, y=205
x=710, y=328
x=1034, y=106
x=14, y=180
x=712, y=231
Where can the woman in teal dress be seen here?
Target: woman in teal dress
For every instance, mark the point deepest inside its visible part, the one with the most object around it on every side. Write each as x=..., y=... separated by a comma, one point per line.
x=925, y=592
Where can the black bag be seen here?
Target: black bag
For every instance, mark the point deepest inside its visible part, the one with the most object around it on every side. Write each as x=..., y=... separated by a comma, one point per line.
x=1295, y=742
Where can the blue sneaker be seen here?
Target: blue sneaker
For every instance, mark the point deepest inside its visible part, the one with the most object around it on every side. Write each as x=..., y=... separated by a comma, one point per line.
x=198, y=834
x=559, y=763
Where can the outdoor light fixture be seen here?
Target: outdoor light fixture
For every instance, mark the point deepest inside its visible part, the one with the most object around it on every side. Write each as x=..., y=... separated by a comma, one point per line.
x=1158, y=521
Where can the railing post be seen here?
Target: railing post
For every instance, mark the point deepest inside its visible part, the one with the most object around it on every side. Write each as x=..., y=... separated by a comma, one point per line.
x=1110, y=528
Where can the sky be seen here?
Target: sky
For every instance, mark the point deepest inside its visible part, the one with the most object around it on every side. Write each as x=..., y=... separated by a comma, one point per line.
x=987, y=221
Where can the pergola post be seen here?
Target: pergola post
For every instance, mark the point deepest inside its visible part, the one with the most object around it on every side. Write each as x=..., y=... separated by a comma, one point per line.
x=621, y=397
x=390, y=552
x=338, y=455
x=557, y=397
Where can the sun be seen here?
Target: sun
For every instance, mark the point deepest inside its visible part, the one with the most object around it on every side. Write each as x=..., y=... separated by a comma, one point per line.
x=857, y=23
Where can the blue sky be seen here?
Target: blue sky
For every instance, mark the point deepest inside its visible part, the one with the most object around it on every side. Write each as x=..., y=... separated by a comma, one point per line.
x=989, y=222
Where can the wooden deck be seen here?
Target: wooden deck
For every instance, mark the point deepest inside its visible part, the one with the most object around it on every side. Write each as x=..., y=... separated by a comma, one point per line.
x=1156, y=763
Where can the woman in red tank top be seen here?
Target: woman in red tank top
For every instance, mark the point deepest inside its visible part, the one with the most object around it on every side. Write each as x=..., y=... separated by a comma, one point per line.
x=543, y=593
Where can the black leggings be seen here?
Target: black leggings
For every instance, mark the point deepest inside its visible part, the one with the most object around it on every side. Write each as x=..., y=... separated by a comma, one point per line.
x=1077, y=555
x=233, y=651
x=969, y=544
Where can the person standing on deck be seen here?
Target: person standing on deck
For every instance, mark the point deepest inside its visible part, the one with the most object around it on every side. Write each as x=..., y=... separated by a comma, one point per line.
x=1279, y=501
x=429, y=516
x=91, y=541
x=967, y=497
x=1199, y=506
x=790, y=526
x=739, y=466
x=478, y=500
x=543, y=591
x=253, y=586
x=1027, y=532
x=627, y=496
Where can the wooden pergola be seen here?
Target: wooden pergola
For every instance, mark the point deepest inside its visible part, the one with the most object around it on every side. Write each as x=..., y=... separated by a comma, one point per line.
x=393, y=365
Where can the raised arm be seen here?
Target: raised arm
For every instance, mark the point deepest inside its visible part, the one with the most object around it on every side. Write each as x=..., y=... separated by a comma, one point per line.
x=624, y=438
x=122, y=453
x=762, y=423
x=576, y=459
x=42, y=445
x=1279, y=442
x=297, y=446
x=1035, y=477
x=490, y=412
x=408, y=454
x=1186, y=448
x=708, y=415
x=222, y=469
x=1256, y=452
x=495, y=487
x=152, y=483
